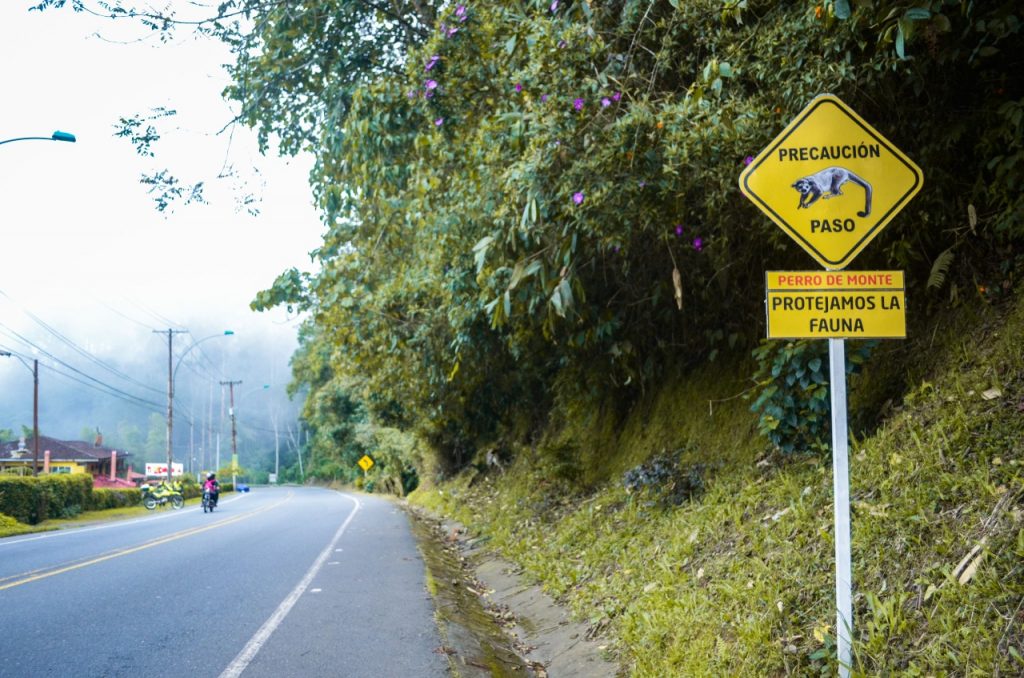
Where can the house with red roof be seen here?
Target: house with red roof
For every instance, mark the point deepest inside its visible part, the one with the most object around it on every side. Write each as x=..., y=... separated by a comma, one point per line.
x=106, y=465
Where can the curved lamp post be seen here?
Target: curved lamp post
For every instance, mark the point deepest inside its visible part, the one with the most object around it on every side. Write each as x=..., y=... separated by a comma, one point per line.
x=171, y=374
x=56, y=136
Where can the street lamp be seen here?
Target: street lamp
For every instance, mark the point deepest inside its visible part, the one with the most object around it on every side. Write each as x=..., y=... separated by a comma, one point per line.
x=35, y=407
x=56, y=136
x=172, y=372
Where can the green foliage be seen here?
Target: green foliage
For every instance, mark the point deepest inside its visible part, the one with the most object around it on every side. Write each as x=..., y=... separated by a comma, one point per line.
x=109, y=497
x=793, y=397
x=740, y=580
x=525, y=203
x=488, y=235
x=9, y=526
x=670, y=482
x=32, y=500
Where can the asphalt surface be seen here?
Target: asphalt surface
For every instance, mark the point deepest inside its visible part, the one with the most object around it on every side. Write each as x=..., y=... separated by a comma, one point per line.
x=278, y=582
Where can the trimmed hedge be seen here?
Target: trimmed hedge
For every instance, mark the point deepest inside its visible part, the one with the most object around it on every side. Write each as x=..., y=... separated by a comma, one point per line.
x=110, y=497
x=32, y=500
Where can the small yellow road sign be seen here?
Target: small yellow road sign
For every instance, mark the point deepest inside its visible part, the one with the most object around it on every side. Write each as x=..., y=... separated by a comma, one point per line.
x=836, y=305
x=831, y=181
x=365, y=463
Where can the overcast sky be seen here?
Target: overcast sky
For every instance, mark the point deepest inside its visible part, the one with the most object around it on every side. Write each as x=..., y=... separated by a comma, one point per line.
x=83, y=247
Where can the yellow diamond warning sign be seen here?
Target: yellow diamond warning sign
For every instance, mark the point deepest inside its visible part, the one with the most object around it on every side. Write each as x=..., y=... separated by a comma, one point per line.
x=365, y=462
x=836, y=305
x=831, y=181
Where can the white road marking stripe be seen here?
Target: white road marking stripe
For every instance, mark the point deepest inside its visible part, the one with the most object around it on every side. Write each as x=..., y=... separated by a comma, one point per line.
x=248, y=653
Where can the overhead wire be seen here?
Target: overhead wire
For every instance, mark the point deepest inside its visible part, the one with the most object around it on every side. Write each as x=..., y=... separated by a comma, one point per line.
x=101, y=387
x=87, y=355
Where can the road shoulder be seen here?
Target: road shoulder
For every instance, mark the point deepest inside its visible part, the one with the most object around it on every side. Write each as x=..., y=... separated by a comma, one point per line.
x=541, y=632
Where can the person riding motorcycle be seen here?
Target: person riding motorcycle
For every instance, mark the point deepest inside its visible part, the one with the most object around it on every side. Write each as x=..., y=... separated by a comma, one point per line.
x=212, y=486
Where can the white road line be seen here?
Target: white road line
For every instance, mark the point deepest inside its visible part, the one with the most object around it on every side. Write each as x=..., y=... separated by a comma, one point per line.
x=248, y=653
x=70, y=530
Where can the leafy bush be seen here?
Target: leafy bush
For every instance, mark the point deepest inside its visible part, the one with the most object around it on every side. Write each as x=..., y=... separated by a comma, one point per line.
x=110, y=497
x=9, y=526
x=663, y=475
x=34, y=499
x=794, y=401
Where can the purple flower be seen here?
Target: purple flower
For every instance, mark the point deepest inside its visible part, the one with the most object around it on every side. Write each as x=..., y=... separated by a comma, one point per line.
x=430, y=84
x=616, y=96
x=747, y=160
x=460, y=13
x=578, y=104
x=698, y=244
x=679, y=230
x=577, y=197
x=606, y=102
x=438, y=122
x=412, y=93
x=543, y=98
x=431, y=62
x=451, y=31
x=554, y=6
x=562, y=44
x=642, y=183
x=615, y=249
x=519, y=87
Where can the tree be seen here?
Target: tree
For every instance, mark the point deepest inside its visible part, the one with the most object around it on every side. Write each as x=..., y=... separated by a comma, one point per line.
x=532, y=204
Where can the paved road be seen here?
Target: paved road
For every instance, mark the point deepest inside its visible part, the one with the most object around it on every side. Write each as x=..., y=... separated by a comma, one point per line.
x=278, y=582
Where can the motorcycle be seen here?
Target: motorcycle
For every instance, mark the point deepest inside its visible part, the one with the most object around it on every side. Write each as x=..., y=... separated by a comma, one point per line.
x=161, y=494
x=209, y=502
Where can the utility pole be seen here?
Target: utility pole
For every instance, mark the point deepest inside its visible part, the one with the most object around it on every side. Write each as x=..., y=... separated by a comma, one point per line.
x=35, y=417
x=35, y=407
x=170, y=395
x=234, y=448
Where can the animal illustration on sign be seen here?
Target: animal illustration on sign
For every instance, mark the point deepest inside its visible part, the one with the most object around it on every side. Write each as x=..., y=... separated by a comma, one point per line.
x=827, y=184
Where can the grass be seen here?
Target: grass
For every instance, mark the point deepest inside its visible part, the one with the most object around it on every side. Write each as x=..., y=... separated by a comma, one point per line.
x=739, y=580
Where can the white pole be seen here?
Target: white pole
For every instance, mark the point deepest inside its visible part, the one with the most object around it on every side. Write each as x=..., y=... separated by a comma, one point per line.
x=841, y=497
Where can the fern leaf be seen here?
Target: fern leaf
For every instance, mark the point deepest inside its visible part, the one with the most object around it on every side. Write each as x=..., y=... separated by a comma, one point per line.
x=940, y=269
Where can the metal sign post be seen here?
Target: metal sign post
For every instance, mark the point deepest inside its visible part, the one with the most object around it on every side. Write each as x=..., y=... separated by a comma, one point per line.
x=841, y=501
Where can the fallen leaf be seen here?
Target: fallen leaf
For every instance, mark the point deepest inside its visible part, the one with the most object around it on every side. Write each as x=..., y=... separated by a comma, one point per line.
x=700, y=573
x=819, y=632
x=930, y=591
x=992, y=394
x=967, y=568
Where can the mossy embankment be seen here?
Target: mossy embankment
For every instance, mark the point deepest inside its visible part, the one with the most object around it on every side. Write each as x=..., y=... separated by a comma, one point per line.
x=737, y=578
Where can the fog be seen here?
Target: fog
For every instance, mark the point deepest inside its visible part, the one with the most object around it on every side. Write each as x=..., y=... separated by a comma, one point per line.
x=91, y=268
x=109, y=375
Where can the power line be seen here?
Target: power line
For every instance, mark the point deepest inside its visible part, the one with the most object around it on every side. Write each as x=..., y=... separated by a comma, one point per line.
x=78, y=349
x=125, y=316
x=113, y=392
x=89, y=356
x=74, y=369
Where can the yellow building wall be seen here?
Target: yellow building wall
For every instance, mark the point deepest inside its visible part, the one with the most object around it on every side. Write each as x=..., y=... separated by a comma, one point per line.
x=72, y=467
x=18, y=466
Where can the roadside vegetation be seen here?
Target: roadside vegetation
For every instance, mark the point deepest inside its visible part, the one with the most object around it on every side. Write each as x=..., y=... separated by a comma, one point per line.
x=53, y=502
x=693, y=550
x=539, y=300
